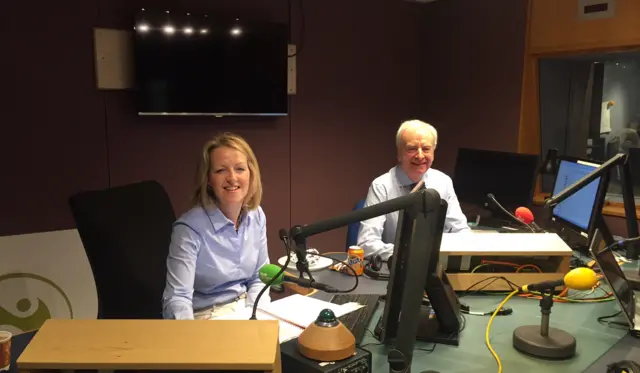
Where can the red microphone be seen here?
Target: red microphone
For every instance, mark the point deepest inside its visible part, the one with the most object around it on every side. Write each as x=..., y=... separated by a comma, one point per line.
x=526, y=216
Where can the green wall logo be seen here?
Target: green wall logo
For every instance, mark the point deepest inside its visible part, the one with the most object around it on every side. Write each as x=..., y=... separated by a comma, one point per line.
x=28, y=300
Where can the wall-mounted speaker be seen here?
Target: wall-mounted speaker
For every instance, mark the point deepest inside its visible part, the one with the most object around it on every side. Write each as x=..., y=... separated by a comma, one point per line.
x=113, y=58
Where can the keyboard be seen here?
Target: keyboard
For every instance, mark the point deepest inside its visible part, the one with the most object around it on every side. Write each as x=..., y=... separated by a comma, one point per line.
x=358, y=321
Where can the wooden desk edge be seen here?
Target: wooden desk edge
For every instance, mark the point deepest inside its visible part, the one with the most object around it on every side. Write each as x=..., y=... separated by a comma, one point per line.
x=529, y=253
x=32, y=362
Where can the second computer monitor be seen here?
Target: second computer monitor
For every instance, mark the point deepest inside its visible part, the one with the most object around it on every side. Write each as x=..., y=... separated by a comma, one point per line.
x=510, y=177
x=576, y=210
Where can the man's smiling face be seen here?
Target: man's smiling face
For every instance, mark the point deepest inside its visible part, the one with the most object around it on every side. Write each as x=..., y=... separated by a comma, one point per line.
x=416, y=153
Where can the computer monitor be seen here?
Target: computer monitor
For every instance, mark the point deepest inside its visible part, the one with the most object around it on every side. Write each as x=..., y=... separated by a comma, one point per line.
x=510, y=177
x=421, y=225
x=577, y=210
x=412, y=275
x=619, y=162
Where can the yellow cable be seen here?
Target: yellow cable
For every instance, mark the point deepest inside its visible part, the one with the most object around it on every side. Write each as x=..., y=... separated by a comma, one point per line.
x=488, y=330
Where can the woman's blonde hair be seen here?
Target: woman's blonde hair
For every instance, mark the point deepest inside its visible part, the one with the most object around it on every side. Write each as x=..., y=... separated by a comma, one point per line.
x=203, y=194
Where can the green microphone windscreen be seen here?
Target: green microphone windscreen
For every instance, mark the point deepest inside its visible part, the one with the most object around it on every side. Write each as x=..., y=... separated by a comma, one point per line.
x=269, y=271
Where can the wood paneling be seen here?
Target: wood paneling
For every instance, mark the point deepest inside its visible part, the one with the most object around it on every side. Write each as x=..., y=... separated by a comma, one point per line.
x=529, y=130
x=557, y=27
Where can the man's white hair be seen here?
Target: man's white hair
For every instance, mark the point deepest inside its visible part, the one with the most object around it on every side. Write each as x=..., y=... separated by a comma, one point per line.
x=416, y=125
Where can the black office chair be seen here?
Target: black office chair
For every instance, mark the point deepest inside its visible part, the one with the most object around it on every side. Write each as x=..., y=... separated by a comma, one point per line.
x=126, y=232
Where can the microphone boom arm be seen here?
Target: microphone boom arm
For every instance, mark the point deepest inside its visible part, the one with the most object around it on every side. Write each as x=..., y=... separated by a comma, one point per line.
x=424, y=209
x=416, y=203
x=617, y=160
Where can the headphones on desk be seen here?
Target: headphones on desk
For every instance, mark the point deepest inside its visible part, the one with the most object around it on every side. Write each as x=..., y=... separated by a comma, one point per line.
x=375, y=264
x=624, y=366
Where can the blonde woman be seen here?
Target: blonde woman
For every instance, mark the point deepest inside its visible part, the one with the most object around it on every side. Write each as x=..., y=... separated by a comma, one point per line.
x=218, y=247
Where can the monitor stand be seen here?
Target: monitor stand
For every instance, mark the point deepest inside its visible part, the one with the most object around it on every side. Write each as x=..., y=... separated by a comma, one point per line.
x=431, y=328
x=632, y=275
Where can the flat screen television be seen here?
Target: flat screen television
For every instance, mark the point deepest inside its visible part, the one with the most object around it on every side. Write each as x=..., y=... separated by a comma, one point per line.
x=188, y=64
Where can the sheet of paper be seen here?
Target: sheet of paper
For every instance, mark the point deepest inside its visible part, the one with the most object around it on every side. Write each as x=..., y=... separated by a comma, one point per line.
x=605, y=118
x=287, y=331
x=302, y=311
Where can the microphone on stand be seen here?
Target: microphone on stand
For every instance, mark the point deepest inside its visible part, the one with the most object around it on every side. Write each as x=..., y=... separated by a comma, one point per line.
x=301, y=254
x=542, y=340
x=525, y=215
x=493, y=199
x=271, y=274
x=285, y=239
x=581, y=278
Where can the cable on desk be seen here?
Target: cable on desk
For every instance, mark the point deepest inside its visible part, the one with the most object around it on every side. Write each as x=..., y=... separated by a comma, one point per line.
x=517, y=267
x=488, y=330
x=353, y=271
x=563, y=297
x=603, y=320
x=429, y=350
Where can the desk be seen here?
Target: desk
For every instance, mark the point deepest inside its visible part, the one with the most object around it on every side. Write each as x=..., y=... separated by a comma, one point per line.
x=472, y=355
x=593, y=338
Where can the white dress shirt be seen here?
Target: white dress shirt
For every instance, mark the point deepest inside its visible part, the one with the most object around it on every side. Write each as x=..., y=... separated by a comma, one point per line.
x=211, y=263
x=377, y=235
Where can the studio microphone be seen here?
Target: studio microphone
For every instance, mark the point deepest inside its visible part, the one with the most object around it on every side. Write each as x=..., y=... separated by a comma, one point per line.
x=271, y=274
x=581, y=278
x=525, y=215
x=284, y=236
x=494, y=200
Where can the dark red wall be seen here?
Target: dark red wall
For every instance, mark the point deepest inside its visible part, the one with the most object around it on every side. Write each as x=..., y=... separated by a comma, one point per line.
x=366, y=66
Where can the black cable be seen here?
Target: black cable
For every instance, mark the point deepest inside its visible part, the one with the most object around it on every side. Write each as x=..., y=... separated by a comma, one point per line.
x=353, y=271
x=302, y=26
x=106, y=139
x=493, y=279
x=106, y=123
x=285, y=238
x=429, y=350
x=621, y=244
x=603, y=320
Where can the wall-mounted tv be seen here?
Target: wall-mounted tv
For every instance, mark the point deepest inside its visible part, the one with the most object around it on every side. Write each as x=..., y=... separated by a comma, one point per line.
x=203, y=64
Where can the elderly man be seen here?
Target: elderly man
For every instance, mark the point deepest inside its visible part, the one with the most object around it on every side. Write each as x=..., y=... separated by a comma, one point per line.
x=416, y=142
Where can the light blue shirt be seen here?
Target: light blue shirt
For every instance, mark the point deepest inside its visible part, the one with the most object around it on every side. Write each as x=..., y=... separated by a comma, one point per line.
x=211, y=263
x=377, y=235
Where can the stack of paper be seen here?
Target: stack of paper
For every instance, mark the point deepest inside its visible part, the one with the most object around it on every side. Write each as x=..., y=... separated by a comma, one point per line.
x=295, y=313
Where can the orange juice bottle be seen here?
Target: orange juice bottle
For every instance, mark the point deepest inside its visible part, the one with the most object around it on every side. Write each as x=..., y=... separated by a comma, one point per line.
x=355, y=258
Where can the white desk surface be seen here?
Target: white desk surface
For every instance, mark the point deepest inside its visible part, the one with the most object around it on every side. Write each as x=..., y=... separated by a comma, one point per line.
x=502, y=244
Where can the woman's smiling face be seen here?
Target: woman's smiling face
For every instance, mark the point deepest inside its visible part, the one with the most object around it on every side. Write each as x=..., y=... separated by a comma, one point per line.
x=229, y=176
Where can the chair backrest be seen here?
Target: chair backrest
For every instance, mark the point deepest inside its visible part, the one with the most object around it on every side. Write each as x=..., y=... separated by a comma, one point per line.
x=354, y=228
x=126, y=232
